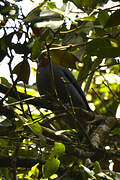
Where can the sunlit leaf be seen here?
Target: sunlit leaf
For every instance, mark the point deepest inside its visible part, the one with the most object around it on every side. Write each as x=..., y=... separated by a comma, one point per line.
x=35, y=127
x=87, y=18
x=97, y=168
x=35, y=170
x=50, y=167
x=58, y=149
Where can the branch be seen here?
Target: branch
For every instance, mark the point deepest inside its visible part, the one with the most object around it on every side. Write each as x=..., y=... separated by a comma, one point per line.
x=97, y=137
x=42, y=102
x=6, y=161
x=107, y=124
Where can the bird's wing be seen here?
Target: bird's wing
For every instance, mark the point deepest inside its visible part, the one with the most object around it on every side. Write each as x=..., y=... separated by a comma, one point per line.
x=72, y=79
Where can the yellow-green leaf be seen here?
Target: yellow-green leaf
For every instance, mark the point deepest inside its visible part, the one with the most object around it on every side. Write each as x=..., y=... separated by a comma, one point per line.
x=50, y=167
x=58, y=149
x=35, y=128
x=97, y=168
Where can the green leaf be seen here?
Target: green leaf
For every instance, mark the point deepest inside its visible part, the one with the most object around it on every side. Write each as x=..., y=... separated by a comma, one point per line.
x=103, y=16
x=97, y=168
x=37, y=47
x=3, y=44
x=4, y=81
x=50, y=167
x=35, y=170
x=63, y=58
x=3, y=48
x=102, y=48
x=114, y=19
x=35, y=127
x=35, y=12
x=39, y=43
x=87, y=18
x=23, y=71
x=85, y=3
x=58, y=149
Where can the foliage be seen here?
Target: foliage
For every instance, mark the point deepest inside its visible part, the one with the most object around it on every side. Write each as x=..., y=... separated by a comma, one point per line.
x=34, y=142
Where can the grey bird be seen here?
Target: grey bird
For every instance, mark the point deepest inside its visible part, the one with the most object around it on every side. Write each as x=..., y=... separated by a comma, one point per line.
x=68, y=89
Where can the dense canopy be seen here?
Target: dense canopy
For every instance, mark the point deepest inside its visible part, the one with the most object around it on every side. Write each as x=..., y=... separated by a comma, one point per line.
x=83, y=36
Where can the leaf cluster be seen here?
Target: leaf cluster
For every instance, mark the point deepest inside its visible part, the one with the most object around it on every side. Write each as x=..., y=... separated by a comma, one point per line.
x=35, y=143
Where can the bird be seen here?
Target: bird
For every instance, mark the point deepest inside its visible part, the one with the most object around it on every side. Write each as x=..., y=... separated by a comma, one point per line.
x=63, y=84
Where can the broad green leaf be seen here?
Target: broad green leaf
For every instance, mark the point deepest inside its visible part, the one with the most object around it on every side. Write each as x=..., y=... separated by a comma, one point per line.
x=102, y=48
x=50, y=167
x=114, y=19
x=103, y=16
x=85, y=3
x=23, y=71
x=58, y=149
x=37, y=47
x=63, y=58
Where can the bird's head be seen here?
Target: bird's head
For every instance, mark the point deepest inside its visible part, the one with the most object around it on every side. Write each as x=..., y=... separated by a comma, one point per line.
x=43, y=60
